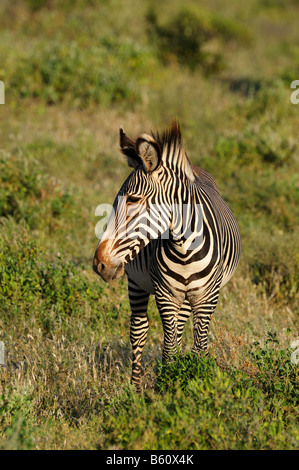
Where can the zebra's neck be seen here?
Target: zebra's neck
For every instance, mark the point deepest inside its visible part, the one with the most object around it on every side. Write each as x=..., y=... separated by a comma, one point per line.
x=186, y=228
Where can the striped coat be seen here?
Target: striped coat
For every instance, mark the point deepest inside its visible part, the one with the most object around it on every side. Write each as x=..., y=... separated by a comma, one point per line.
x=174, y=236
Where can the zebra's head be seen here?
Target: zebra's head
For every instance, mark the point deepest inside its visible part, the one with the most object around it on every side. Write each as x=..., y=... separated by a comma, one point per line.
x=143, y=207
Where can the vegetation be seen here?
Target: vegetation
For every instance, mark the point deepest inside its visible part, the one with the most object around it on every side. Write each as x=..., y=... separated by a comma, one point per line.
x=73, y=73
x=186, y=36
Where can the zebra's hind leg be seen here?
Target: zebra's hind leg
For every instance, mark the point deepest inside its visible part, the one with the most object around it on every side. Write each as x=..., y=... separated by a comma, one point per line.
x=202, y=312
x=139, y=328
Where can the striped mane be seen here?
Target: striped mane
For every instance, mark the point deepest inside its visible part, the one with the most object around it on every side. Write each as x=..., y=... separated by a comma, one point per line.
x=173, y=152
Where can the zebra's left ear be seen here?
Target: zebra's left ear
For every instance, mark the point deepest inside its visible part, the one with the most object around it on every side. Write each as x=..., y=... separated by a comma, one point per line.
x=127, y=147
x=149, y=151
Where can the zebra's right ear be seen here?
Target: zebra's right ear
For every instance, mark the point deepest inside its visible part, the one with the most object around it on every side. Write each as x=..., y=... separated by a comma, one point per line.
x=127, y=147
x=149, y=151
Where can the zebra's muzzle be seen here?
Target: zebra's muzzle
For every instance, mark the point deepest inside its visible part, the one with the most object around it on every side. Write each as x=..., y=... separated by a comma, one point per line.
x=105, y=268
x=108, y=274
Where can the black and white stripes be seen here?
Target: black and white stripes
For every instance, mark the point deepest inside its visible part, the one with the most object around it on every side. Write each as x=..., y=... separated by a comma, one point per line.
x=175, y=237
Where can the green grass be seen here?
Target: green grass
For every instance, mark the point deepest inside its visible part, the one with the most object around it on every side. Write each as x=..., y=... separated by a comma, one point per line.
x=73, y=73
x=203, y=407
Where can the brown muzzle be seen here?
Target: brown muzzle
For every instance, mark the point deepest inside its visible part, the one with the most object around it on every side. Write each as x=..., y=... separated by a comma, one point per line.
x=103, y=266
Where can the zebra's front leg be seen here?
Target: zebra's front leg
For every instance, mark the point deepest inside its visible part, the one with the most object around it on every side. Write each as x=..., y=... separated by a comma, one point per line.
x=169, y=307
x=139, y=329
x=200, y=331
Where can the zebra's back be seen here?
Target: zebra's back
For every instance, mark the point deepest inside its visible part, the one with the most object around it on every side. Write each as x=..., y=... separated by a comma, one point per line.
x=231, y=239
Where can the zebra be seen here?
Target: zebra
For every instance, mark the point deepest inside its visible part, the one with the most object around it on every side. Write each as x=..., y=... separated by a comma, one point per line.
x=182, y=260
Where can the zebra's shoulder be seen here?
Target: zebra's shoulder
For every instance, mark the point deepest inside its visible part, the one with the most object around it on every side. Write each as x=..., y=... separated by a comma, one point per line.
x=203, y=177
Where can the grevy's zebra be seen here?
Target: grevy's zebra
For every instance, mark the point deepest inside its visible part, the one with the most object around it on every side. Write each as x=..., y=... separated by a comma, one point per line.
x=174, y=236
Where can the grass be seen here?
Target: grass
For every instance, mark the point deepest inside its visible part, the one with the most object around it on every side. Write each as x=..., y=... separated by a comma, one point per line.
x=73, y=73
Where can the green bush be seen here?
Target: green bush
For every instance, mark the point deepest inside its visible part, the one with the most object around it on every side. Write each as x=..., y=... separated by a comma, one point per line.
x=108, y=71
x=277, y=376
x=271, y=100
x=181, y=370
x=28, y=281
x=255, y=149
x=35, y=5
x=200, y=406
x=29, y=196
x=184, y=37
x=17, y=418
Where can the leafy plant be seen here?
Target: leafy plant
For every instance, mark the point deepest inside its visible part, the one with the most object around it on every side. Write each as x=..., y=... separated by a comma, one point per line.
x=186, y=34
x=27, y=195
x=277, y=377
x=29, y=280
x=105, y=73
x=16, y=418
x=181, y=370
x=253, y=149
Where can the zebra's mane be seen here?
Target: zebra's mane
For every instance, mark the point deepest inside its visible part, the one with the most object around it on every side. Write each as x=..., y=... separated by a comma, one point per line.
x=169, y=135
x=173, y=153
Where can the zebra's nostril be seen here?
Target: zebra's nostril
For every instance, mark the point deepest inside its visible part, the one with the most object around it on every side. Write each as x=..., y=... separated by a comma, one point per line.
x=101, y=267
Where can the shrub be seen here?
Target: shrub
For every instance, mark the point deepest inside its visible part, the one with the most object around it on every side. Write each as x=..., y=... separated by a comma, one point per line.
x=271, y=100
x=252, y=148
x=277, y=376
x=56, y=71
x=35, y=5
x=200, y=406
x=28, y=195
x=17, y=418
x=29, y=280
x=184, y=37
x=181, y=370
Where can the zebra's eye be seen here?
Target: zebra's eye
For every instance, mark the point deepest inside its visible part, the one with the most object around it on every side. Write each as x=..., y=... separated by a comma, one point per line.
x=132, y=199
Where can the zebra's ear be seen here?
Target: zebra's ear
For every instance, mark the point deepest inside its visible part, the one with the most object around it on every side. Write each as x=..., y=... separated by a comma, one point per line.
x=127, y=147
x=149, y=151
